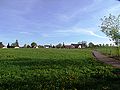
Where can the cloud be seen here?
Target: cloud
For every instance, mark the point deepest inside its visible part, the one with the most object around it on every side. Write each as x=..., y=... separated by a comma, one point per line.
x=111, y=8
x=27, y=33
x=93, y=34
x=54, y=35
x=45, y=35
x=77, y=30
x=79, y=12
x=114, y=9
x=19, y=6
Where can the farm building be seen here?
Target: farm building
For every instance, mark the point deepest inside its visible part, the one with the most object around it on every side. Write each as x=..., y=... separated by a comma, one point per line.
x=47, y=46
x=77, y=45
x=16, y=47
x=69, y=46
x=4, y=47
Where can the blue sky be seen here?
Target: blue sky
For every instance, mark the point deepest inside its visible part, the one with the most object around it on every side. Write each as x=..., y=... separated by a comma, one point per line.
x=54, y=21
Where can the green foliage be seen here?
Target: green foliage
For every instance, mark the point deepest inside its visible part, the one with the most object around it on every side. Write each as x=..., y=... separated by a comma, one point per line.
x=111, y=27
x=59, y=45
x=91, y=45
x=1, y=45
x=16, y=44
x=33, y=44
x=110, y=51
x=54, y=69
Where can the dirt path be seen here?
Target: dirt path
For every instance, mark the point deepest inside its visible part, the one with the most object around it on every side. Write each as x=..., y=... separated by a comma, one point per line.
x=107, y=60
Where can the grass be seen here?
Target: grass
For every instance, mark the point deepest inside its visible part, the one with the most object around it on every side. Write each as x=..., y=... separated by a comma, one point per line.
x=110, y=51
x=54, y=69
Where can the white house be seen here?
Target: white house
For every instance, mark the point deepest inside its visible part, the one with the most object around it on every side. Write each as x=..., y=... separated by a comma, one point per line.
x=17, y=47
x=79, y=46
x=47, y=46
x=4, y=47
x=36, y=47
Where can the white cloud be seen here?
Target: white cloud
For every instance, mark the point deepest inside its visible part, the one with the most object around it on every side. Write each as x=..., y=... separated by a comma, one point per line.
x=93, y=34
x=54, y=35
x=80, y=11
x=85, y=31
x=27, y=33
x=45, y=35
x=113, y=10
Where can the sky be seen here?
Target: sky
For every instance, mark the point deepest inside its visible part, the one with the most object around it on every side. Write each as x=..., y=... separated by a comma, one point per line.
x=54, y=21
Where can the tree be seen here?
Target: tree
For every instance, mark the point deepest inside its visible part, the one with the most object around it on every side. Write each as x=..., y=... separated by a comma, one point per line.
x=17, y=44
x=91, y=45
x=33, y=44
x=28, y=46
x=63, y=46
x=84, y=44
x=13, y=45
x=8, y=46
x=53, y=46
x=1, y=45
x=25, y=46
x=100, y=45
x=111, y=27
x=40, y=46
x=59, y=45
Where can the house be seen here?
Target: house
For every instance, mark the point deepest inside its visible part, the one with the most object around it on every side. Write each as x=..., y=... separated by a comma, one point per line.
x=77, y=45
x=47, y=46
x=69, y=46
x=35, y=46
x=4, y=47
x=16, y=47
x=40, y=46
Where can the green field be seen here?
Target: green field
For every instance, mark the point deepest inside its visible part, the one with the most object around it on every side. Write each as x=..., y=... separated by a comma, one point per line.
x=55, y=69
x=110, y=51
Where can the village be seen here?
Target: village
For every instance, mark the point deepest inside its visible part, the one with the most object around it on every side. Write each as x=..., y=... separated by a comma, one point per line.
x=82, y=44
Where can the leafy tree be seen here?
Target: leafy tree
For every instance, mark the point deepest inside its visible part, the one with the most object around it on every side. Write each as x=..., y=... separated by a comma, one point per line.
x=17, y=44
x=13, y=45
x=33, y=44
x=63, y=46
x=28, y=46
x=103, y=45
x=53, y=46
x=25, y=46
x=84, y=43
x=111, y=27
x=91, y=44
x=59, y=45
x=1, y=45
x=8, y=46
x=107, y=45
x=100, y=45
x=40, y=46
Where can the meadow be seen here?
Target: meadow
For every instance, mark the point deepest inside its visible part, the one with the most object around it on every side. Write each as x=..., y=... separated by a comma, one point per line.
x=55, y=69
x=113, y=52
